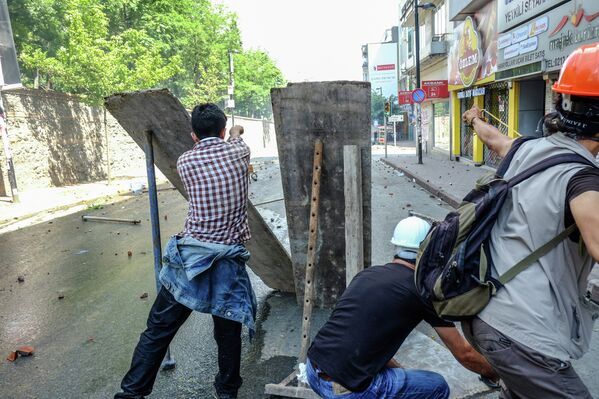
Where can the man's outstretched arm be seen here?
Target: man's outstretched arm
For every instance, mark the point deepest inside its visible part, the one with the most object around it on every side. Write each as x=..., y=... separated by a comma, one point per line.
x=488, y=133
x=465, y=353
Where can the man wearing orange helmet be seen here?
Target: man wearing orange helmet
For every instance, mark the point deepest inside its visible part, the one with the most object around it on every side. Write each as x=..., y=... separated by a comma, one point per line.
x=539, y=321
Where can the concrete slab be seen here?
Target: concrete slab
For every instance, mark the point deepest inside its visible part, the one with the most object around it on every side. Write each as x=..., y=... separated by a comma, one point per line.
x=160, y=112
x=338, y=113
x=422, y=352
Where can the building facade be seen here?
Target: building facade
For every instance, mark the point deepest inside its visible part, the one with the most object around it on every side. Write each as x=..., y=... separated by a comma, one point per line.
x=504, y=57
x=435, y=38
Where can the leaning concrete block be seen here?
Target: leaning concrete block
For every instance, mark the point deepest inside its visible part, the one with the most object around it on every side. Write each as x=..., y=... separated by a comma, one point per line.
x=160, y=112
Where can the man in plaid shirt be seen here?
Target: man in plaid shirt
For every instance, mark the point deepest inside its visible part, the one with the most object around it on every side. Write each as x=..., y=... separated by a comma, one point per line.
x=204, y=266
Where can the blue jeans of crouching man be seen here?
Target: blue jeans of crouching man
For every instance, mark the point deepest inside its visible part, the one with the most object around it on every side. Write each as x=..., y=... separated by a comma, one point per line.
x=390, y=383
x=209, y=278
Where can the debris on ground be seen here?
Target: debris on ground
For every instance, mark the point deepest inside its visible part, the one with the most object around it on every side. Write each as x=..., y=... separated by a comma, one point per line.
x=23, y=351
x=143, y=296
x=21, y=279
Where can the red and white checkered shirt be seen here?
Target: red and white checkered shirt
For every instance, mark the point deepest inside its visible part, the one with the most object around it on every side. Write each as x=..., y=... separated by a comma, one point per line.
x=215, y=174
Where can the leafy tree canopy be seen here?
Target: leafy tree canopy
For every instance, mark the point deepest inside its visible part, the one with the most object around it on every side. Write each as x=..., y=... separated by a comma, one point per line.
x=94, y=48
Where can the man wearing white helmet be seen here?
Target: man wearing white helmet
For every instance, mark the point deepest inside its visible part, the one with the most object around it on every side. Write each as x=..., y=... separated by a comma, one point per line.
x=352, y=354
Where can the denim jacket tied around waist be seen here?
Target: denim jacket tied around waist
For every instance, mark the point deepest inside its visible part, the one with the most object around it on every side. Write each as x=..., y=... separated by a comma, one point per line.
x=210, y=278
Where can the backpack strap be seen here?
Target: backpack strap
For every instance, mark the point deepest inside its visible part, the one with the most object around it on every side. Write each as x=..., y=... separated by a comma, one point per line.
x=535, y=255
x=505, y=163
x=548, y=163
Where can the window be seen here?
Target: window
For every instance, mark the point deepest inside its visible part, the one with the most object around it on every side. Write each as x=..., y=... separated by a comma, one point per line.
x=441, y=17
x=410, y=42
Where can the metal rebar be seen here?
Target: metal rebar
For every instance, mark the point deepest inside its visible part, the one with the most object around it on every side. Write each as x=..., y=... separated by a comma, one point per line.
x=87, y=218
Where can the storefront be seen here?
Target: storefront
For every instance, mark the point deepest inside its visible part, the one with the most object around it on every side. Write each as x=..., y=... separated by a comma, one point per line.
x=435, y=114
x=472, y=67
x=509, y=73
x=530, y=54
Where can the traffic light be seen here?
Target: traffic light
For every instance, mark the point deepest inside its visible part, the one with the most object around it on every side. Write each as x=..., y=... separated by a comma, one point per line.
x=387, y=108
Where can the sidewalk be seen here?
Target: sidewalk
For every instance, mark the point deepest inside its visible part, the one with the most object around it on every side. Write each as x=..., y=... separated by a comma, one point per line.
x=446, y=179
x=39, y=205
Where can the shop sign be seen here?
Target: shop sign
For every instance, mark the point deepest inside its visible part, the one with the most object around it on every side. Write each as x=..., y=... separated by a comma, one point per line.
x=511, y=13
x=473, y=52
x=435, y=88
x=405, y=97
x=469, y=53
x=551, y=37
x=480, y=91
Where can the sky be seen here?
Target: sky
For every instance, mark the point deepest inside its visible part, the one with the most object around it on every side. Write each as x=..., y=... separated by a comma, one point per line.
x=314, y=40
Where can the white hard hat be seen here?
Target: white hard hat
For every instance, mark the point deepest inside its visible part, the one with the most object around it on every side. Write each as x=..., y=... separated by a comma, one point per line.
x=410, y=232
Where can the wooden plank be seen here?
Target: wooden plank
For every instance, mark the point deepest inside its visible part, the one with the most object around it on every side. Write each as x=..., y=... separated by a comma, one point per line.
x=354, y=233
x=163, y=114
x=290, y=391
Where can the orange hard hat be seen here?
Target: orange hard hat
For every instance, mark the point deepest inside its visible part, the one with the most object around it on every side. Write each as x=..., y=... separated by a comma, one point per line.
x=580, y=73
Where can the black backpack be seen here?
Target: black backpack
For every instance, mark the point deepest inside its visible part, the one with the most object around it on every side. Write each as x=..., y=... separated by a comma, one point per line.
x=453, y=268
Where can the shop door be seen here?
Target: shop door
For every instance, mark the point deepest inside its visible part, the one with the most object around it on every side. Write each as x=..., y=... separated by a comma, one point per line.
x=466, y=132
x=441, y=125
x=496, y=103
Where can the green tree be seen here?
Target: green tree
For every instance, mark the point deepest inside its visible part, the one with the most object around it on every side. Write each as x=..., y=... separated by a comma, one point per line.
x=97, y=47
x=255, y=74
x=90, y=62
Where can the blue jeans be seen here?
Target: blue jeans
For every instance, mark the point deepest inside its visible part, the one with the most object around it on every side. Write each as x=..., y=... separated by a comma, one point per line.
x=388, y=384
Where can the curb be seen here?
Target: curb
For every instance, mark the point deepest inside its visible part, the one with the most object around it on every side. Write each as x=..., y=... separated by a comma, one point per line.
x=436, y=191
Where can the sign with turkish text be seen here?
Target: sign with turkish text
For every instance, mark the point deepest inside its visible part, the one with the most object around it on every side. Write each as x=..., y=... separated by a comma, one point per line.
x=435, y=89
x=405, y=97
x=512, y=13
x=479, y=91
x=382, y=68
x=550, y=38
x=473, y=53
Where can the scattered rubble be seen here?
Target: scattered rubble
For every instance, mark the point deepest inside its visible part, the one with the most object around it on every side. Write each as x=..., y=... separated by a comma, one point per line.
x=23, y=351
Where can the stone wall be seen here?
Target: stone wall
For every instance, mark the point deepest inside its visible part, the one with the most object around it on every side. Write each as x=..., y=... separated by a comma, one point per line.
x=56, y=140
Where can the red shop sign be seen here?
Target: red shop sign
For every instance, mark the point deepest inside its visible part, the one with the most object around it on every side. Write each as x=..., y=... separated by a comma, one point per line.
x=405, y=97
x=435, y=88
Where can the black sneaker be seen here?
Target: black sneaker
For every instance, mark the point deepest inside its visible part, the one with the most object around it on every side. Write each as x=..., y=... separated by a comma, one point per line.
x=217, y=395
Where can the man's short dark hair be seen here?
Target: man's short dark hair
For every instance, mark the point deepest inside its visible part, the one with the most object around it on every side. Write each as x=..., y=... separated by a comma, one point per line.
x=207, y=120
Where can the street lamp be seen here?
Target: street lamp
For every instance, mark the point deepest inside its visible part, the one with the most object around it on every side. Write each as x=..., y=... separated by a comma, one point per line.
x=424, y=6
x=231, y=89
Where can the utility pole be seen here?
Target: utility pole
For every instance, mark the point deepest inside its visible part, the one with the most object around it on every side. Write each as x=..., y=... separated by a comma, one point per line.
x=426, y=6
x=231, y=89
x=418, y=121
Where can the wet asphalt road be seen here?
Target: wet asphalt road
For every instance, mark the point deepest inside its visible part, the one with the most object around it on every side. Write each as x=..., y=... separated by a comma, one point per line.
x=84, y=341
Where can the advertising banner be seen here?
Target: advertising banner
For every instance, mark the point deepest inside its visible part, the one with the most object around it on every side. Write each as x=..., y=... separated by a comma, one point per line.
x=549, y=38
x=9, y=72
x=511, y=13
x=382, y=64
x=435, y=89
x=473, y=53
